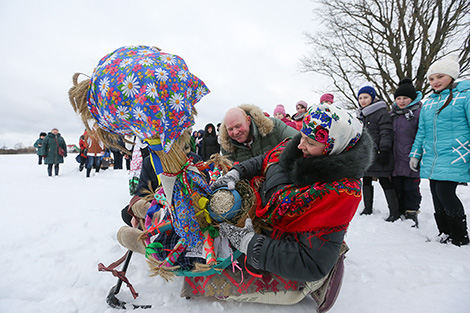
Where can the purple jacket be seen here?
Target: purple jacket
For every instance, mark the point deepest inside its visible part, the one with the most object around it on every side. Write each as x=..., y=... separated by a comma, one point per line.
x=405, y=126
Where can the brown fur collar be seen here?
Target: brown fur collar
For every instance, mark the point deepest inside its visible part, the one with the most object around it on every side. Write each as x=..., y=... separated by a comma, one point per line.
x=262, y=123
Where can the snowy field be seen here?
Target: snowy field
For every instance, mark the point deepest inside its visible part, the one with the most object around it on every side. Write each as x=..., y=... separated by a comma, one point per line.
x=54, y=232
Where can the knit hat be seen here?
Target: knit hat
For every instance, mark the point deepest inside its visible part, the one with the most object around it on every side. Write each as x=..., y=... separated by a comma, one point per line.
x=140, y=90
x=406, y=88
x=327, y=97
x=333, y=126
x=42, y=134
x=368, y=90
x=302, y=103
x=280, y=109
x=448, y=65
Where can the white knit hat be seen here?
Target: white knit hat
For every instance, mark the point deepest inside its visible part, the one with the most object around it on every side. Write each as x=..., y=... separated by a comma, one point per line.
x=448, y=65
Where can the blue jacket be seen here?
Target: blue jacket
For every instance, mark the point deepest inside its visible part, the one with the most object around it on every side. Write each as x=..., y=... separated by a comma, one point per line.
x=443, y=140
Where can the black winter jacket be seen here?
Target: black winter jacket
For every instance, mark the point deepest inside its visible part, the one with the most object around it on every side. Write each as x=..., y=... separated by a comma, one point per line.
x=309, y=258
x=378, y=122
x=209, y=143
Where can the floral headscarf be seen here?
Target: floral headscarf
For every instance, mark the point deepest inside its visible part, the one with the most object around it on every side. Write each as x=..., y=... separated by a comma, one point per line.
x=332, y=126
x=143, y=91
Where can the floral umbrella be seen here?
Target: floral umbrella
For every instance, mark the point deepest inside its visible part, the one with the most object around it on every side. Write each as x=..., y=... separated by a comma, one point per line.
x=143, y=91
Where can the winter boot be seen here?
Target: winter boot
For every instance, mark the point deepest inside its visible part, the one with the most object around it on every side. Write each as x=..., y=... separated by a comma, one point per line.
x=49, y=169
x=368, y=197
x=442, y=226
x=88, y=171
x=56, y=169
x=412, y=215
x=458, y=230
x=140, y=208
x=80, y=168
x=392, y=202
x=128, y=237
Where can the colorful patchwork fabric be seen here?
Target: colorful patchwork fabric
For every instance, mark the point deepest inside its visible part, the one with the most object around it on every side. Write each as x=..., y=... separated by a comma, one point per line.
x=140, y=90
x=184, y=216
x=332, y=126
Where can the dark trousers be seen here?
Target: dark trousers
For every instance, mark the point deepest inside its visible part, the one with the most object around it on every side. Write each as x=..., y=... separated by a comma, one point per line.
x=40, y=157
x=445, y=199
x=49, y=169
x=384, y=182
x=117, y=156
x=408, y=194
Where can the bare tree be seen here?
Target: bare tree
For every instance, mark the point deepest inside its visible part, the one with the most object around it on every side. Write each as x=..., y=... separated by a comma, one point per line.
x=382, y=41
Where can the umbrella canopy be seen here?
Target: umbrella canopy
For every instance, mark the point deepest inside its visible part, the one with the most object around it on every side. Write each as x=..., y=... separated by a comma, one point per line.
x=143, y=91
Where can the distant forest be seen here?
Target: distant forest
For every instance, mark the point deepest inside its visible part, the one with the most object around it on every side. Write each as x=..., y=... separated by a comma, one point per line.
x=20, y=149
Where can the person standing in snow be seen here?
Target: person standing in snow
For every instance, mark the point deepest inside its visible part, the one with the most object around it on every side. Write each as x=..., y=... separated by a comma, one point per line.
x=95, y=151
x=327, y=98
x=209, y=143
x=405, y=117
x=83, y=151
x=280, y=113
x=441, y=149
x=301, y=107
x=38, y=145
x=53, y=150
x=374, y=114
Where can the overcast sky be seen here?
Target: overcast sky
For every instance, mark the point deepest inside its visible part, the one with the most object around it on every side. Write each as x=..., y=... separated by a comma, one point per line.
x=245, y=51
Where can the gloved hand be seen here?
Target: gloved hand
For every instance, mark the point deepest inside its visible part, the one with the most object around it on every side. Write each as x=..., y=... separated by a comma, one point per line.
x=414, y=163
x=383, y=157
x=239, y=237
x=228, y=180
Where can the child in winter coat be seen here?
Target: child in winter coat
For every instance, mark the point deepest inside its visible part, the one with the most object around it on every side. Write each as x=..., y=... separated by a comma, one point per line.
x=327, y=98
x=280, y=113
x=83, y=151
x=301, y=108
x=38, y=145
x=441, y=148
x=374, y=114
x=405, y=117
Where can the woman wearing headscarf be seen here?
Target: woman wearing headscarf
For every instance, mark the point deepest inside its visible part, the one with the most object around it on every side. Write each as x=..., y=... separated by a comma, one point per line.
x=310, y=191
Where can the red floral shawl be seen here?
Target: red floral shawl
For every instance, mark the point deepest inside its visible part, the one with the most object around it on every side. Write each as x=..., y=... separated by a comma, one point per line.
x=321, y=208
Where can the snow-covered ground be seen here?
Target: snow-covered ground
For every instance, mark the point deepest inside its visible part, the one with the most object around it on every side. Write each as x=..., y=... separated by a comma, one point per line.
x=54, y=232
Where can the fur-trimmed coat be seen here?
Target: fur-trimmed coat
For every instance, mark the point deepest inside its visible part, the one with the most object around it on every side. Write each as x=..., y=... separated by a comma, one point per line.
x=267, y=132
x=309, y=258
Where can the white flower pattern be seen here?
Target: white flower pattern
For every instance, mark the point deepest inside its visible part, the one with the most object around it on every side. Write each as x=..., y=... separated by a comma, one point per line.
x=130, y=86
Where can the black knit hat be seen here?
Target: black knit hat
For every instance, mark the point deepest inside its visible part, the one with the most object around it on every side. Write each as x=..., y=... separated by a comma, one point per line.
x=406, y=88
x=42, y=134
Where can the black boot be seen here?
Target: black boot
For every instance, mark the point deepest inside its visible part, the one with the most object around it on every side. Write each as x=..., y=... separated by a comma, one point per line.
x=368, y=197
x=392, y=202
x=412, y=215
x=88, y=171
x=442, y=226
x=56, y=168
x=49, y=169
x=458, y=230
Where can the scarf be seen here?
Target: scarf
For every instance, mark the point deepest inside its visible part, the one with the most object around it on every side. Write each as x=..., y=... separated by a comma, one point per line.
x=320, y=208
